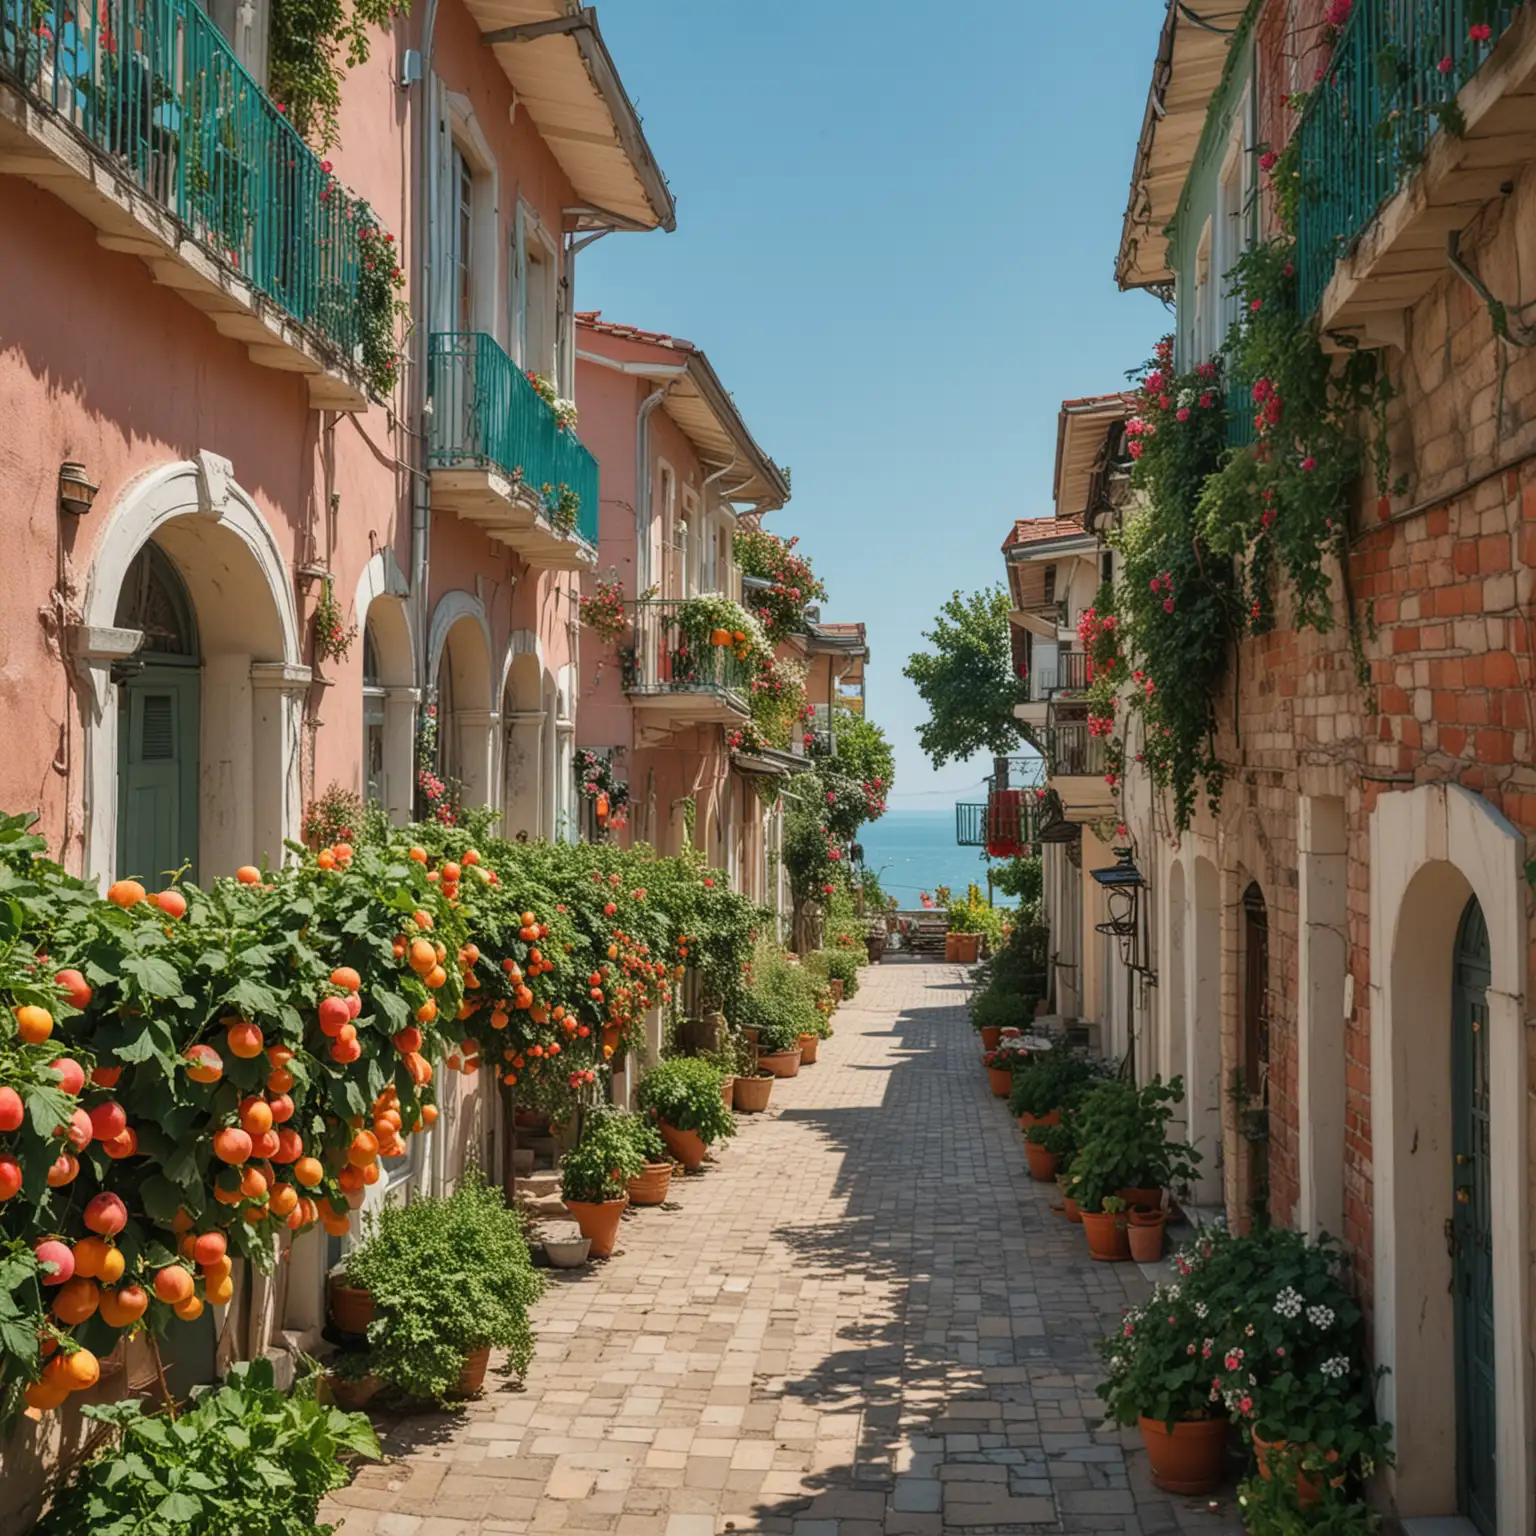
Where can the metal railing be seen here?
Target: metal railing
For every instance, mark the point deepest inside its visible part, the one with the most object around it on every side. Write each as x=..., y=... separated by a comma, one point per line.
x=1241, y=411
x=1061, y=672
x=487, y=414
x=1016, y=773
x=1072, y=752
x=155, y=87
x=672, y=654
x=971, y=826
x=1371, y=117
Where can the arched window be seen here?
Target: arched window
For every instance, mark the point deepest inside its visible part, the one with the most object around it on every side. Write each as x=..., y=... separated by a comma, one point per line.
x=154, y=599
x=373, y=718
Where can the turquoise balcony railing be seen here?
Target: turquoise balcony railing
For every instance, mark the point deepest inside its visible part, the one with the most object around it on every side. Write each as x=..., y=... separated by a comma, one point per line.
x=487, y=415
x=1240, y=414
x=971, y=825
x=1371, y=117
x=154, y=86
x=672, y=654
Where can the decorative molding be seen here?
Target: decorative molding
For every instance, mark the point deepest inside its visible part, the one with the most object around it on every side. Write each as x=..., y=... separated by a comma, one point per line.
x=214, y=476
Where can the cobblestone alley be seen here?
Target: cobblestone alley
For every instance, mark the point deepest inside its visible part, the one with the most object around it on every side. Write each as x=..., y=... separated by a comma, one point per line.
x=863, y=1319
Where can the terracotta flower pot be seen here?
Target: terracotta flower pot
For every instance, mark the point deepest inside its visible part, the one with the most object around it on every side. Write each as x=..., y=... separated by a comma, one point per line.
x=650, y=1187
x=837, y=986
x=1001, y=1080
x=1026, y=1120
x=1309, y=1487
x=351, y=1307
x=990, y=1035
x=1042, y=1164
x=967, y=948
x=598, y=1220
x=1069, y=1207
x=750, y=1036
x=1146, y=1199
x=781, y=1063
x=612, y=1034
x=808, y=1048
x=351, y=1393
x=753, y=1094
x=1146, y=1234
x=686, y=1146
x=727, y=1091
x=472, y=1377
x=1108, y=1236
x=1188, y=1460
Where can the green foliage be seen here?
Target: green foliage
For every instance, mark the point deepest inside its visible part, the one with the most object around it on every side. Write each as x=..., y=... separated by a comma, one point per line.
x=1122, y=1141
x=1053, y=1080
x=779, y=607
x=1023, y=879
x=1012, y=980
x=966, y=679
x=780, y=1001
x=974, y=915
x=449, y=1275
x=837, y=965
x=685, y=1094
x=646, y=1139
x=242, y=1458
x=1060, y=1140
x=864, y=755
x=312, y=45
x=601, y=1164
x=777, y=702
x=1270, y=1508
x=998, y=1008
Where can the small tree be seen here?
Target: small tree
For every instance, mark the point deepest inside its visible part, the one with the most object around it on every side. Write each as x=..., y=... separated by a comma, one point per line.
x=967, y=679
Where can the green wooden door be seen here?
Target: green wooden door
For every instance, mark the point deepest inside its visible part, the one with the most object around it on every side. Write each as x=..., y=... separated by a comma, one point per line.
x=157, y=773
x=1472, y=1225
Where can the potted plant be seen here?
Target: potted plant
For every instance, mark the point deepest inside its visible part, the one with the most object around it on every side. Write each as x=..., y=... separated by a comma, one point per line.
x=1046, y=1146
x=650, y=1186
x=451, y=1279
x=1045, y=1085
x=999, y=1072
x=595, y=1175
x=1107, y=1229
x=351, y=1307
x=998, y=1007
x=350, y=1380
x=1069, y=1206
x=682, y=1097
x=753, y=1093
x=778, y=1049
x=1146, y=1233
x=811, y=1035
x=1157, y=1376
x=1123, y=1149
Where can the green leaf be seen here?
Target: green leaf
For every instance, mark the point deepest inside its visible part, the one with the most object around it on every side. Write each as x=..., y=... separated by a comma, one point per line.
x=161, y=1198
x=156, y=977
x=393, y=1006
x=49, y=1108
x=179, y=1506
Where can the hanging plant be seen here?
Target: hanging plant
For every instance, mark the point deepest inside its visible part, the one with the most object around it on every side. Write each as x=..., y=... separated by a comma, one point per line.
x=312, y=44
x=596, y=780
x=382, y=314
x=603, y=613
x=564, y=410
x=333, y=635
x=781, y=606
x=562, y=505
x=777, y=699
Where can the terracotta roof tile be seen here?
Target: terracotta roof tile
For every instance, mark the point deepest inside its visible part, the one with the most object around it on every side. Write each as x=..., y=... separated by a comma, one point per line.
x=593, y=320
x=1033, y=530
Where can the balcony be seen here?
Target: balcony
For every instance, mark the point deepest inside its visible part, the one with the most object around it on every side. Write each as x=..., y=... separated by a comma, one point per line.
x=1076, y=763
x=674, y=673
x=1053, y=674
x=1383, y=187
x=500, y=458
x=138, y=115
x=971, y=825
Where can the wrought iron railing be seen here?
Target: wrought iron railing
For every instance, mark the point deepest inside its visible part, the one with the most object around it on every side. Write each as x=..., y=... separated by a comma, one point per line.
x=1241, y=411
x=1395, y=73
x=1073, y=752
x=154, y=86
x=971, y=825
x=671, y=654
x=487, y=414
x=1016, y=773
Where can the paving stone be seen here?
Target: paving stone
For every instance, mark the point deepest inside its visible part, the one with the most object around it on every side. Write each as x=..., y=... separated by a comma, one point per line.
x=861, y=1319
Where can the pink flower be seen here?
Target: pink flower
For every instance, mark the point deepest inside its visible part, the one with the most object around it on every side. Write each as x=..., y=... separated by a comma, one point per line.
x=1156, y=583
x=1308, y=464
x=1207, y=400
x=325, y=165
x=1168, y=605
x=1245, y=1407
x=1446, y=65
x=1163, y=402
x=1135, y=450
x=1257, y=305
x=1267, y=160
x=1183, y=414
x=1480, y=32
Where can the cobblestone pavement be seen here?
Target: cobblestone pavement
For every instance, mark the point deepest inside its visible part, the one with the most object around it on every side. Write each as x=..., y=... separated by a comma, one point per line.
x=864, y=1320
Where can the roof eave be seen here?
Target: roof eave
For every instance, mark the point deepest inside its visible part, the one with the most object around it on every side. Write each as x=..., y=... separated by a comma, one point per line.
x=775, y=490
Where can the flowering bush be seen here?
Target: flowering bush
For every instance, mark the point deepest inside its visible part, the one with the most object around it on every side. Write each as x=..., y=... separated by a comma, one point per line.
x=436, y=798
x=778, y=699
x=603, y=612
x=336, y=816
x=564, y=410
x=562, y=505
x=596, y=779
x=781, y=606
x=382, y=313
x=333, y=635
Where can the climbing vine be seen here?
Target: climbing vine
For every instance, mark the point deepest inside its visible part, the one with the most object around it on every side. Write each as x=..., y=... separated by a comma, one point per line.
x=313, y=44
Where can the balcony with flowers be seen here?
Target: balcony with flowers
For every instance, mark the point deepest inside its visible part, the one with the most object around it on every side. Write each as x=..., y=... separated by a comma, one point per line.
x=1421, y=113
x=139, y=116
x=693, y=661
x=504, y=453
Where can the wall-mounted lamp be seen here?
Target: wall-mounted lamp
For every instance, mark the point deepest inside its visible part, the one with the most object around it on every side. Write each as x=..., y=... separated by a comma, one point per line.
x=76, y=493
x=1123, y=884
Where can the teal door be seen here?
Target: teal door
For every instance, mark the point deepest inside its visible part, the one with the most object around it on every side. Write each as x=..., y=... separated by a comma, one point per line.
x=1472, y=1225
x=157, y=773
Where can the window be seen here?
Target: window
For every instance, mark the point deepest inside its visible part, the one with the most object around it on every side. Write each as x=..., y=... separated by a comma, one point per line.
x=244, y=23
x=535, y=295
x=463, y=235
x=373, y=720
x=1204, y=317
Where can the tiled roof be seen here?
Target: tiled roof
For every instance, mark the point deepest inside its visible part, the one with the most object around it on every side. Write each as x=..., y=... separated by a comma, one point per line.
x=592, y=320
x=1034, y=530
x=841, y=629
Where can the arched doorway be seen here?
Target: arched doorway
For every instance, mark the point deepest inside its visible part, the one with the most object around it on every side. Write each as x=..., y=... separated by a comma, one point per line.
x=1253, y=1061
x=158, y=709
x=463, y=698
x=527, y=725
x=1472, y=1224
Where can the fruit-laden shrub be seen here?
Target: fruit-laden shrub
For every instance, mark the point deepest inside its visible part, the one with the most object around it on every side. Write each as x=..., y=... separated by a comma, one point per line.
x=837, y=965
x=604, y=1160
x=449, y=1276
x=243, y=1457
x=685, y=1093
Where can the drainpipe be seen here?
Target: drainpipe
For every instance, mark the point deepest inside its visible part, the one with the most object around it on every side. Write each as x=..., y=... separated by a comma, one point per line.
x=426, y=242
x=643, y=488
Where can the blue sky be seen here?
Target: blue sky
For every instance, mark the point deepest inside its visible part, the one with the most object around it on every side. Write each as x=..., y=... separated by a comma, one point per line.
x=896, y=239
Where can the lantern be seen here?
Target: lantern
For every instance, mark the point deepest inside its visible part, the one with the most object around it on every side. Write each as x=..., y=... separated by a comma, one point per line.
x=602, y=806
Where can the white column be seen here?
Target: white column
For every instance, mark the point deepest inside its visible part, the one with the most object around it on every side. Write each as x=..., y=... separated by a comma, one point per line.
x=565, y=771
x=94, y=650
x=400, y=752
x=477, y=730
x=522, y=780
x=270, y=810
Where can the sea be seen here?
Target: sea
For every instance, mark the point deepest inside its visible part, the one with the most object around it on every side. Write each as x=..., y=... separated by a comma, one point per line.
x=913, y=851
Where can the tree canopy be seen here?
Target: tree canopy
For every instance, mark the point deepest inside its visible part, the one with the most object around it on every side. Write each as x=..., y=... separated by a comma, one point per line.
x=967, y=680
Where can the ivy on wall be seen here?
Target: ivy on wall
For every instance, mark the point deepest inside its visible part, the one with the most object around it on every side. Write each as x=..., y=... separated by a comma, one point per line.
x=312, y=46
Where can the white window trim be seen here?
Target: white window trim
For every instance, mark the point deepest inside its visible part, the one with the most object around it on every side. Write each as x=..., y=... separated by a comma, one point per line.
x=461, y=130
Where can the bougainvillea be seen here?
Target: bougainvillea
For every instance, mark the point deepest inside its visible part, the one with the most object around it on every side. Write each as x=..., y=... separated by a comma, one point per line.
x=780, y=606
x=778, y=699
x=603, y=612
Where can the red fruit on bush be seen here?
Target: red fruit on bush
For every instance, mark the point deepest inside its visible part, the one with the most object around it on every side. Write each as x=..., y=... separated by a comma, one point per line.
x=79, y=1130
x=408, y=1039
x=71, y=1075
x=60, y=1255
x=282, y=1108
x=122, y=1146
x=10, y=1176
x=65, y=1169
x=264, y=1144
x=12, y=1111
x=232, y=1144
x=105, y=1215
x=290, y=1146
x=204, y=1064
x=108, y=1119
x=209, y=1248
x=75, y=987
x=354, y=1005
x=333, y=1013
x=106, y=1077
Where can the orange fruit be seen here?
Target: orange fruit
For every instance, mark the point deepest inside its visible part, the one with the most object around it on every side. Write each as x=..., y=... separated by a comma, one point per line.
x=172, y=903
x=346, y=978
x=209, y=1248
x=125, y=893
x=189, y=1309
x=33, y=1024
x=364, y=1149
x=253, y=1184
x=120, y=1308
x=423, y=957
x=220, y=1291
x=245, y=1040
x=248, y=874
x=76, y=1300
x=173, y=1284
x=232, y=1145
x=436, y=977
x=285, y=1198
x=89, y=1253
x=309, y=1172
x=255, y=1115
x=419, y=855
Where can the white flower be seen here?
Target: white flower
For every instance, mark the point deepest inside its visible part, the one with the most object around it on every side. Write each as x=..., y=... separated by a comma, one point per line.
x=1187, y=398
x=1337, y=1366
x=1320, y=1317
x=1288, y=1303
x=1172, y=1292
x=1201, y=1309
